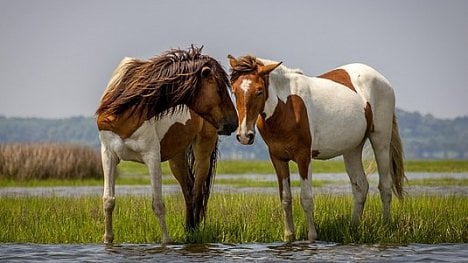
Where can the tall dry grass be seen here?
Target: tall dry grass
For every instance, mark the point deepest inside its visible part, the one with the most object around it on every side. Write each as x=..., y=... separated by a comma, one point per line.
x=32, y=161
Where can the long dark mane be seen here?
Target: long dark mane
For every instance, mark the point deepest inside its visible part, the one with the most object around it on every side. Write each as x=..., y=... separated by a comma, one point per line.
x=152, y=86
x=245, y=65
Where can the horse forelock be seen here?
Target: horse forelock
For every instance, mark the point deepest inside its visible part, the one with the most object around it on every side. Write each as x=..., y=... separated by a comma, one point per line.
x=159, y=83
x=245, y=65
x=248, y=64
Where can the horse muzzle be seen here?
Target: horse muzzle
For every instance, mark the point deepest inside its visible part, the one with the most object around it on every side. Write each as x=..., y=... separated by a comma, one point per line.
x=246, y=139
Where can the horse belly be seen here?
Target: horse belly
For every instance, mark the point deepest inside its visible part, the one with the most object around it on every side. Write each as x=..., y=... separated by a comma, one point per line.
x=337, y=129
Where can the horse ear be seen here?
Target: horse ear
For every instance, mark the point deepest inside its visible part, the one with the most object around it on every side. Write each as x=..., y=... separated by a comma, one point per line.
x=232, y=61
x=263, y=70
x=206, y=71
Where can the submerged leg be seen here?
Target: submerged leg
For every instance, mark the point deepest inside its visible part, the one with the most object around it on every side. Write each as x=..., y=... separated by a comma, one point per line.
x=109, y=162
x=153, y=161
x=282, y=172
x=307, y=199
x=359, y=183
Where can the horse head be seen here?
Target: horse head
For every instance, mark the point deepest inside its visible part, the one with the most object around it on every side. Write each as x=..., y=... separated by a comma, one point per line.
x=249, y=82
x=213, y=103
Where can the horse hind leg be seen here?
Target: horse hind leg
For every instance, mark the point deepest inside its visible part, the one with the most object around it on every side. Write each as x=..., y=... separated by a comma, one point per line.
x=359, y=183
x=381, y=144
x=109, y=163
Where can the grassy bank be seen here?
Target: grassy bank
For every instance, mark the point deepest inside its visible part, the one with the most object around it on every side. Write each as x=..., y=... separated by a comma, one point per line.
x=245, y=218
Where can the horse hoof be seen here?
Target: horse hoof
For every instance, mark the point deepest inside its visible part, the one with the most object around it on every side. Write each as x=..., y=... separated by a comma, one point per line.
x=312, y=237
x=288, y=237
x=108, y=240
x=167, y=241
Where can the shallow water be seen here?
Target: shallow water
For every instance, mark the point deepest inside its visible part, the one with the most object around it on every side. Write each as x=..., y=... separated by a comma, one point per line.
x=272, y=252
x=338, y=187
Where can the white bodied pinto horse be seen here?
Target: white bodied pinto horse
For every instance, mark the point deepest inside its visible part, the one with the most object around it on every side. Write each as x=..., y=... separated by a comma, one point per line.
x=301, y=118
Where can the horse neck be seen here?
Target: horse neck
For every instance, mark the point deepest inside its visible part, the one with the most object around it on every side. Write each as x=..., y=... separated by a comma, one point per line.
x=278, y=89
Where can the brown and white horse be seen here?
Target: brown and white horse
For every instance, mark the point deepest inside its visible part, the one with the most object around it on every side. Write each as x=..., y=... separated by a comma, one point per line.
x=152, y=111
x=301, y=118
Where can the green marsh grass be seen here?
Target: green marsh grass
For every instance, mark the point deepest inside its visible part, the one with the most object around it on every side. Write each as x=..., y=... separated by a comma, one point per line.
x=233, y=218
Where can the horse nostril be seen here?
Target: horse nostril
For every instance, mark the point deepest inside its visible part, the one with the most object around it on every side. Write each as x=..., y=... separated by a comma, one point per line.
x=238, y=137
x=251, y=138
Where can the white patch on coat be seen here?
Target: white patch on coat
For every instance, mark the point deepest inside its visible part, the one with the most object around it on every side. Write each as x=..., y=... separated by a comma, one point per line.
x=245, y=85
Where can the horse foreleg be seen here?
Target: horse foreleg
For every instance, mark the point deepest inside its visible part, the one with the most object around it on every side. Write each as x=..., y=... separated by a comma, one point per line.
x=282, y=172
x=109, y=162
x=307, y=199
x=153, y=161
x=204, y=152
x=359, y=183
x=179, y=168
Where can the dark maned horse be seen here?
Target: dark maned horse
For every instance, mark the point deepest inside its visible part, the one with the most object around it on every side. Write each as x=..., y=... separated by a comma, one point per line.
x=302, y=117
x=163, y=109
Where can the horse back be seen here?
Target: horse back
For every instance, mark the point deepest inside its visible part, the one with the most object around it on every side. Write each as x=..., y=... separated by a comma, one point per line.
x=344, y=106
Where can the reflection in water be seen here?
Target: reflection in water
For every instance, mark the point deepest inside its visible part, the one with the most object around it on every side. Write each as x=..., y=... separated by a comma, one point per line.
x=272, y=252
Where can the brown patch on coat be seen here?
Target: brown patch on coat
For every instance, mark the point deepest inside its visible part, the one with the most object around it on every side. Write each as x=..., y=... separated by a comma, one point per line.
x=179, y=136
x=339, y=76
x=369, y=119
x=124, y=124
x=287, y=133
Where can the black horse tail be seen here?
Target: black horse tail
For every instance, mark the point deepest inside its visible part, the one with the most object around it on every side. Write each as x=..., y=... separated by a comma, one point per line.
x=200, y=202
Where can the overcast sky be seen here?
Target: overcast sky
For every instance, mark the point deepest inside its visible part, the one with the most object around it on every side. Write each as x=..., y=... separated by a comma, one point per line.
x=56, y=56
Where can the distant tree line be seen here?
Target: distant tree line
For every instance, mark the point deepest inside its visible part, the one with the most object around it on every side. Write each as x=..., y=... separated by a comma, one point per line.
x=424, y=136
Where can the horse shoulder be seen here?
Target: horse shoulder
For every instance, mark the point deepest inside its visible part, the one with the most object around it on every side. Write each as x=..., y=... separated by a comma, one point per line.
x=287, y=131
x=176, y=132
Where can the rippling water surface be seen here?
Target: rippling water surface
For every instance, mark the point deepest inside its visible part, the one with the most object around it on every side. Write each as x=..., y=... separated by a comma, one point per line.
x=272, y=252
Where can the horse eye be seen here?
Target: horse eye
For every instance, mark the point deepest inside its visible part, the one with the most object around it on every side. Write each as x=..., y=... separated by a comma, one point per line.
x=258, y=92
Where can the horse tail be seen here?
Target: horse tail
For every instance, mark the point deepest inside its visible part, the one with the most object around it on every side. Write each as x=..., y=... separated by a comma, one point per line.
x=125, y=66
x=209, y=180
x=119, y=73
x=397, y=161
x=202, y=204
